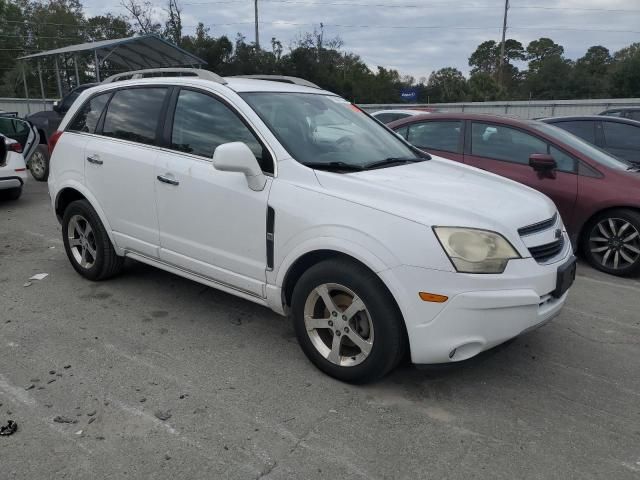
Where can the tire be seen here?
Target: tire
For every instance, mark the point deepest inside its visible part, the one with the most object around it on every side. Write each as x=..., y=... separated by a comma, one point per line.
x=89, y=250
x=39, y=164
x=12, y=193
x=375, y=322
x=611, y=242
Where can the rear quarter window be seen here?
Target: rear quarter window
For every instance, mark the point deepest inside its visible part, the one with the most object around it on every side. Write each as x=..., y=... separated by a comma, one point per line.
x=86, y=120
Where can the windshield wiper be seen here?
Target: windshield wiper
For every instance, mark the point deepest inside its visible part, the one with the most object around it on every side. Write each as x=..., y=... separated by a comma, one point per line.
x=387, y=162
x=334, y=166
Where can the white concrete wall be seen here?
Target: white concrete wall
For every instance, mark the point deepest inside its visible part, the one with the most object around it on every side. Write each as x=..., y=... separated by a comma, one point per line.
x=532, y=109
x=24, y=106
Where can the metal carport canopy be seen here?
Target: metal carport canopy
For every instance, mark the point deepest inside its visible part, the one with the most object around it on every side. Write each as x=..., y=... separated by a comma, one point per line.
x=133, y=53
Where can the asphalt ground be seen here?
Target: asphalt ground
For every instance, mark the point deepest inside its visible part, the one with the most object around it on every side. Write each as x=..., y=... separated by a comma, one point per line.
x=241, y=401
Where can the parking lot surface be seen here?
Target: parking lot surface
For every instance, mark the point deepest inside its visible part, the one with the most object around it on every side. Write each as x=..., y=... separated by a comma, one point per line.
x=166, y=378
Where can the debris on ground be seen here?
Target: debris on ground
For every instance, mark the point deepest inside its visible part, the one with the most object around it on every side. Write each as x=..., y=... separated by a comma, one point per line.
x=51, y=381
x=67, y=366
x=30, y=387
x=39, y=276
x=63, y=419
x=161, y=415
x=91, y=413
x=52, y=372
x=79, y=432
x=27, y=284
x=9, y=429
x=91, y=420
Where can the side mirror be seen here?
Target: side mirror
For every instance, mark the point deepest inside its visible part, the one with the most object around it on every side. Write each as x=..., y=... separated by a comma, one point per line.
x=56, y=106
x=238, y=157
x=542, y=162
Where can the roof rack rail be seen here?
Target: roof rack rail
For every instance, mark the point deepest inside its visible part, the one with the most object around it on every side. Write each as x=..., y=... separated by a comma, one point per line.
x=280, y=78
x=166, y=72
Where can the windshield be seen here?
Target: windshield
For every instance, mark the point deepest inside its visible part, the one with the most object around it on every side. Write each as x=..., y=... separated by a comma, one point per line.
x=581, y=146
x=325, y=130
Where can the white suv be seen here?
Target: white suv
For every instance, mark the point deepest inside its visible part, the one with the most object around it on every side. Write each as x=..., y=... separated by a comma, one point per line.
x=374, y=248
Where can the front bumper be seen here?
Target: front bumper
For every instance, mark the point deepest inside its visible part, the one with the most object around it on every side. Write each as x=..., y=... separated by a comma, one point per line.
x=481, y=312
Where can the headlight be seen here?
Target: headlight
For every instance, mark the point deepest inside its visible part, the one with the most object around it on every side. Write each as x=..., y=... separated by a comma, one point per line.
x=475, y=251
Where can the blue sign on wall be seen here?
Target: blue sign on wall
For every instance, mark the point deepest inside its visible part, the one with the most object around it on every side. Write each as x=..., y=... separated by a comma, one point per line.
x=409, y=94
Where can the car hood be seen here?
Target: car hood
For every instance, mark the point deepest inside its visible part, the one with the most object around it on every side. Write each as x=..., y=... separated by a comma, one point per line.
x=443, y=192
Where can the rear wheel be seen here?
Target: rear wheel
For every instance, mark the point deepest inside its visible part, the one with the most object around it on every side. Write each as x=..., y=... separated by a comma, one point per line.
x=611, y=242
x=87, y=243
x=347, y=322
x=39, y=163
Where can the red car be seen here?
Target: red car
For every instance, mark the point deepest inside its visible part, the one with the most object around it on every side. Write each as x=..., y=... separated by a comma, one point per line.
x=598, y=196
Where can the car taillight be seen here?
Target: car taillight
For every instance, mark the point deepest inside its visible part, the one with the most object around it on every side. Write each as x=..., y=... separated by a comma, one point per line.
x=53, y=140
x=15, y=147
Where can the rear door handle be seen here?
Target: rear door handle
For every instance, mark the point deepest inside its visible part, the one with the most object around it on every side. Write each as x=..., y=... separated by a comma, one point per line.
x=165, y=179
x=95, y=159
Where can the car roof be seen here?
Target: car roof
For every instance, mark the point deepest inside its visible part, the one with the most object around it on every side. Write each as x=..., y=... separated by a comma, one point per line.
x=593, y=118
x=507, y=120
x=408, y=111
x=236, y=84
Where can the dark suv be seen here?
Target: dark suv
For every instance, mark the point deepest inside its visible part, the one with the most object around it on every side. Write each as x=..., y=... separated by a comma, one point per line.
x=627, y=112
x=598, y=195
x=618, y=136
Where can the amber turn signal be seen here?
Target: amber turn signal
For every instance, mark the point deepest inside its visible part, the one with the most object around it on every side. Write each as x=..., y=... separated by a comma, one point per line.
x=433, y=297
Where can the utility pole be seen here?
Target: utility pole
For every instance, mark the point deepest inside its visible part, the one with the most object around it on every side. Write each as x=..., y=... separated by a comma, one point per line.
x=255, y=3
x=504, y=34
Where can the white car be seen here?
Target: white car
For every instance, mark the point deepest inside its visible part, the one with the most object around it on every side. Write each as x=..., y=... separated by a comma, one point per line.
x=375, y=249
x=388, y=116
x=13, y=169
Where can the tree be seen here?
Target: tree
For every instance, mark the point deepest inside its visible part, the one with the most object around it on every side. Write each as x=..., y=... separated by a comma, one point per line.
x=141, y=14
x=625, y=79
x=540, y=50
x=483, y=87
x=447, y=85
x=591, y=73
x=173, y=24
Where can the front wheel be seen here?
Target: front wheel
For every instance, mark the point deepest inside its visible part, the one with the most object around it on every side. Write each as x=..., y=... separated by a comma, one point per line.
x=347, y=322
x=611, y=242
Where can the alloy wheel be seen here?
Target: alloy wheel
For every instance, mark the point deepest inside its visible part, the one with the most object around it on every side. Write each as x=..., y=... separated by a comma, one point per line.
x=338, y=324
x=615, y=243
x=82, y=241
x=37, y=165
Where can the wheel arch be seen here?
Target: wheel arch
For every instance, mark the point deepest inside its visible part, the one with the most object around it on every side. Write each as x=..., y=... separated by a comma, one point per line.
x=313, y=257
x=71, y=193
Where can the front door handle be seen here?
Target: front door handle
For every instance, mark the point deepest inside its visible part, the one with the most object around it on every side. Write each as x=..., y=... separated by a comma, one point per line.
x=165, y=179
x=95, y=159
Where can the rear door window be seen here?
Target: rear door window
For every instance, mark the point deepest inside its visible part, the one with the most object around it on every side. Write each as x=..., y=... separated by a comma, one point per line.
x=86, y=120
x=581, y=128
x=436, y=135
x=621, y=135
x=133, y=114
x=504, y=143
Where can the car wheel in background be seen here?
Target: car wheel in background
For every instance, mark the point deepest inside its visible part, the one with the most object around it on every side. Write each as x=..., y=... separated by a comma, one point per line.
x=87, y=243
x=39, y=163
x=611, y=242
x=347, y=322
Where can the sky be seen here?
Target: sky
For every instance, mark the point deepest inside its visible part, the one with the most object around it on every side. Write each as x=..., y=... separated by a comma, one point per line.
x=415, y=37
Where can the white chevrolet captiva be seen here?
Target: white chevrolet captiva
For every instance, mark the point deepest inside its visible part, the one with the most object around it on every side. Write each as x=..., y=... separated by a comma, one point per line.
x=274, y=190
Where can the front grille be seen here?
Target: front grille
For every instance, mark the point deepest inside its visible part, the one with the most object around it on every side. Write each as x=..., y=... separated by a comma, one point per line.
x=542, y=253
x=538, y=227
